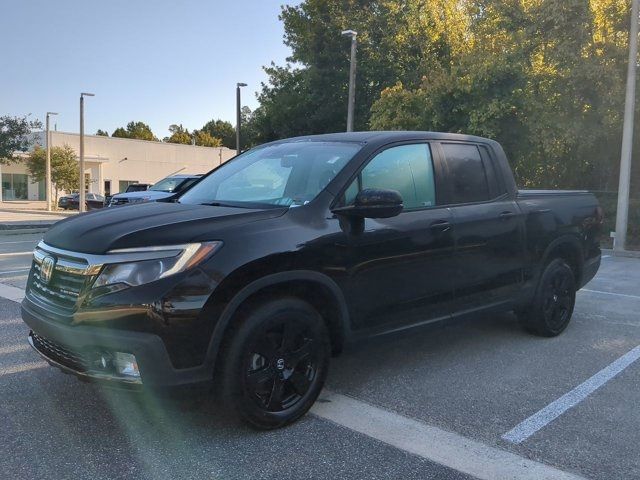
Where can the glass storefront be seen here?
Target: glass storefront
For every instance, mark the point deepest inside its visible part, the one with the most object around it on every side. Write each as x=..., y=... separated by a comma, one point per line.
x=14, y=186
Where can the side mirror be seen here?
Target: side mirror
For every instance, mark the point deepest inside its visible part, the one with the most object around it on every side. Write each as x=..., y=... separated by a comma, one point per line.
x=374, y=203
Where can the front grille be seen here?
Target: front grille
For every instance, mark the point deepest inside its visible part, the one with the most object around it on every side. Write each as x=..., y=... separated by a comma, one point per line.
x=119, y=201
x=63, y=289
x=70, y=276
x=59, y=353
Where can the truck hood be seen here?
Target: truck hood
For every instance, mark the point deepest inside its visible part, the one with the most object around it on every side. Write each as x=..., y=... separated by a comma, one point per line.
x=152, y=195
x=149, y=224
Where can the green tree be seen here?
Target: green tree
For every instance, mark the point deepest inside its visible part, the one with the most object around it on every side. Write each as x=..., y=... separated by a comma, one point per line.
x=204, y=139
x=397, y=41
x=64, y=168
x=137, y=130
x=179, y=135
x=14, y=136
x=544, y=77
x=102, y=133
x=249, y=133
x=222, y=130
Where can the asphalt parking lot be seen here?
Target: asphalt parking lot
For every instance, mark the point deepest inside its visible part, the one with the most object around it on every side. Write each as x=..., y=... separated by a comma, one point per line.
x=431, y=403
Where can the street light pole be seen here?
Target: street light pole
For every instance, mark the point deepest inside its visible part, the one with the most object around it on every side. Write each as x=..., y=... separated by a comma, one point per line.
x=81, y=196
x=238, y=116
x=352, y=78
x=622, y=215
x=47, y=180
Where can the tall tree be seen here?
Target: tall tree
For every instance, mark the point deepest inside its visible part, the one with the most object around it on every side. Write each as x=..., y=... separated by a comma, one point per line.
x=137, y=130
x=204, y=139
x=64, y=168
x=102, y=133
x=397, y=40
x=544, y=77
x=179, y=135
x=14, y=136
x=222, y=130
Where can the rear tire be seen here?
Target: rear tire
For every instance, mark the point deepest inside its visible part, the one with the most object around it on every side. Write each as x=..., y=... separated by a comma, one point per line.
x=274, y=363
x=550, y=312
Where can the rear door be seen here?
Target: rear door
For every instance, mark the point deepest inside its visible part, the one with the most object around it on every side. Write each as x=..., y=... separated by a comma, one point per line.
x=398, y=268
x=488, y=226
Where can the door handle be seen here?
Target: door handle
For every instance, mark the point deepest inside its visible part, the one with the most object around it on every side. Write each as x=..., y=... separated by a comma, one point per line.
x=441, y=226
x=507, y=215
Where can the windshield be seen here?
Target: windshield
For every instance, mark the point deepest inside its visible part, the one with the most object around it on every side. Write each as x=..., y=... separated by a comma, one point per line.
x=168, y=184
x=286, y=174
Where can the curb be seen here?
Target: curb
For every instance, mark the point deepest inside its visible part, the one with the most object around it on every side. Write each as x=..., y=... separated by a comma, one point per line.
x=24, y=231
x=626, y=253
x=59, y=213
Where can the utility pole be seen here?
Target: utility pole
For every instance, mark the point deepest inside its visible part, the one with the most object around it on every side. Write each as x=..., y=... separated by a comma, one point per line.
x=622, y=215
x=238, y=116
x=352, y=78
x=81, y=197
x=47, y=180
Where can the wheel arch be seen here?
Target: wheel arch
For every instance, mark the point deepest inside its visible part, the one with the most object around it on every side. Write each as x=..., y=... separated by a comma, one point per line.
x=569, y=248
x=317, y=289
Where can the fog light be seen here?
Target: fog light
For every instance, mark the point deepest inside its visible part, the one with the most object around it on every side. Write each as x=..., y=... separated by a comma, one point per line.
x=125, y=365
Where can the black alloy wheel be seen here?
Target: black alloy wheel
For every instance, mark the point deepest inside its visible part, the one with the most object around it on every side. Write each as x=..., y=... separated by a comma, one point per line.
x=274, y=362
x=282, y=365
x=550, y=312
x=557, y=300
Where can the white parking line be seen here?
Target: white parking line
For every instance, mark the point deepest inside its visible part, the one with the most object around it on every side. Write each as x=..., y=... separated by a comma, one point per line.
x=16, y=254
x=446, y=448
x=21, y=347
x=12, y=321
x=19, y=241
x=552, y=411
x=625, y=295
x=6, y=272
x=11, y=293
x=23, y=367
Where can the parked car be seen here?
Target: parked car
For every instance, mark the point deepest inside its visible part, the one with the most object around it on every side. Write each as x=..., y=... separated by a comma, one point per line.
x=165, y=188
x=93, y=201
x=63, y=201
x=276, y=259
x=134, y=187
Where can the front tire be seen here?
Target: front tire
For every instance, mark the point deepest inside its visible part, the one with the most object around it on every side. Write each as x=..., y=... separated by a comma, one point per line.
x=275, y=363
x=550, y=312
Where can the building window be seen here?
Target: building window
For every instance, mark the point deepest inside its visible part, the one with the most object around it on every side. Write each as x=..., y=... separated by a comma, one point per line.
x=123, y=184
x=14, y=186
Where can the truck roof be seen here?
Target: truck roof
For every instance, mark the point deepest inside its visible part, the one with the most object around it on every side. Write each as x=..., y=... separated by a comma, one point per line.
x=383, y=137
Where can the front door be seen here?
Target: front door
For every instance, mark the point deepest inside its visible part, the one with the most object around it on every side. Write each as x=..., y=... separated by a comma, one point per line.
x=398, y=269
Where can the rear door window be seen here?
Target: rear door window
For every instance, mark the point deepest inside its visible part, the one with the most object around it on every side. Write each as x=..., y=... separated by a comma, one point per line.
x=468, y=182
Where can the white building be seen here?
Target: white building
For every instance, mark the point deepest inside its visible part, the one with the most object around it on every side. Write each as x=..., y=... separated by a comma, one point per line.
x=111, y=163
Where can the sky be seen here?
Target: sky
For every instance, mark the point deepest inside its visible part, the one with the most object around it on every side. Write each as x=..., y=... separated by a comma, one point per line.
x=157, y=61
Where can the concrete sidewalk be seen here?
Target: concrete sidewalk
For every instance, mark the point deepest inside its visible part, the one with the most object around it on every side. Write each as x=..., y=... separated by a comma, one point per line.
x=15, y=222
x=32, y=207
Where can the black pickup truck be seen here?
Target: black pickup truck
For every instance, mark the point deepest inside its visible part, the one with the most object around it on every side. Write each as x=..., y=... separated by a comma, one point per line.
x=274, y=260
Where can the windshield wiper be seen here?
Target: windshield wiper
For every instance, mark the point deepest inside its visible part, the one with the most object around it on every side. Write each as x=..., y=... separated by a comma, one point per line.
x=217, y=204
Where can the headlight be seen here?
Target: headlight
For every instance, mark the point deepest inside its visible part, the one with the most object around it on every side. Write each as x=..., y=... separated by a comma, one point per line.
x=139, y=199
x=165, y=261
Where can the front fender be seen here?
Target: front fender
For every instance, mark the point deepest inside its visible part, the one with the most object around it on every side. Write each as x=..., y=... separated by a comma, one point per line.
x=224, y=321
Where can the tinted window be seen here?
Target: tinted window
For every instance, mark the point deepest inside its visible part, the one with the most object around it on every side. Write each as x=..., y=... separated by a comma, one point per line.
x=186, y=184
x=468, y=179
x=406, y=168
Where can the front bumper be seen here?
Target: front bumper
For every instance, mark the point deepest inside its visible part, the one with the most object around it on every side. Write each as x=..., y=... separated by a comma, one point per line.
x=153, y=360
